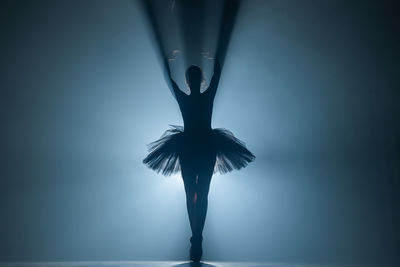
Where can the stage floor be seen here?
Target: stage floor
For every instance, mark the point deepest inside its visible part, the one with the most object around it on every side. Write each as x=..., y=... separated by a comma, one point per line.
x=172, y=264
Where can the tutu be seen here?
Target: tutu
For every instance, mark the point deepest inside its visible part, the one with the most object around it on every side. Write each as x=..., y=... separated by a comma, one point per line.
x=231, y=153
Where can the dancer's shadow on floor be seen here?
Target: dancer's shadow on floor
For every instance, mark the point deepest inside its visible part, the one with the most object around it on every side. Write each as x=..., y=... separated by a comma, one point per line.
x=193, y=264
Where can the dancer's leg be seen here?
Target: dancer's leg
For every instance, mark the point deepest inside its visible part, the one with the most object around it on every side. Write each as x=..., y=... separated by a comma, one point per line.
x=202, y=189
x=189, y=181
x=196, y=173
x=202, y=185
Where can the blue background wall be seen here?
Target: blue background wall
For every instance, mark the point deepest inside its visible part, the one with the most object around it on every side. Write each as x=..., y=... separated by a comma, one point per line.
x=310, y=86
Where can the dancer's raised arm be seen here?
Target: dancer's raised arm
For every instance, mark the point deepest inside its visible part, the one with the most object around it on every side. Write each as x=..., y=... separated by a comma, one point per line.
x=212, y=89
x=171, y=83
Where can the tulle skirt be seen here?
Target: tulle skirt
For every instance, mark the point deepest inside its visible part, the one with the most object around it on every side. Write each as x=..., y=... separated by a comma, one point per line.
x=230, y=153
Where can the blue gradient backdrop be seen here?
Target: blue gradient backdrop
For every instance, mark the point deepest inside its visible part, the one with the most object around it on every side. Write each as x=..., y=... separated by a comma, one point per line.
x=311, y=86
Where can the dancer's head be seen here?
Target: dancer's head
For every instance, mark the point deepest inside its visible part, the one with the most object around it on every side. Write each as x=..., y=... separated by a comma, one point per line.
x=194, y=79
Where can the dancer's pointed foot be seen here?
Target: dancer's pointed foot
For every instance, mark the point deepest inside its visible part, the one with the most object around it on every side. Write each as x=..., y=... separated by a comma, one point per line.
x=196, y=250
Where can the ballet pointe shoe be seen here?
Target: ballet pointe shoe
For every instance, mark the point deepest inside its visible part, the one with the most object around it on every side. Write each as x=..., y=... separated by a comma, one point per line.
x=196, y=250
x=195, y=253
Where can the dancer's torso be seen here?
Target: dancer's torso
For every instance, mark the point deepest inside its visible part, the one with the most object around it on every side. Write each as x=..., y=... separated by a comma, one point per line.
x=196, y=112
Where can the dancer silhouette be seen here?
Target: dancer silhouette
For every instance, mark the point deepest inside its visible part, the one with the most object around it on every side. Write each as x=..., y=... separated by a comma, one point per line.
x=196, y=150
